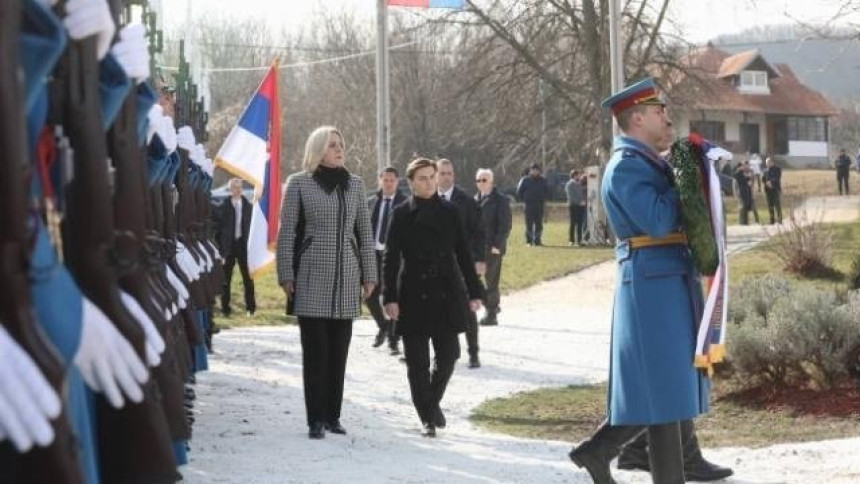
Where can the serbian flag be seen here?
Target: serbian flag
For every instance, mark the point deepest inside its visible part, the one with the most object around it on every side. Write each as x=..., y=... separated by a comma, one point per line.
x=252, y=152
x=711, y=337
x=427, y=3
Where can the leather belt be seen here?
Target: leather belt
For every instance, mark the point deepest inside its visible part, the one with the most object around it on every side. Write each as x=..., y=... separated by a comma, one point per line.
x=674, y=238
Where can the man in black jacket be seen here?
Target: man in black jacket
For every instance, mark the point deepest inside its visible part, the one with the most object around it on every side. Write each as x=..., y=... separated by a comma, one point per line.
x=496, y=215
x=381, y=206
x=843, y=168
x=233, y=229
x=470, y=216
x=772, y=178
x=533, y=191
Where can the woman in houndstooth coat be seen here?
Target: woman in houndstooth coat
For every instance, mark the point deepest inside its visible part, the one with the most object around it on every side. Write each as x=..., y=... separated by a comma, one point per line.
x=324, y=257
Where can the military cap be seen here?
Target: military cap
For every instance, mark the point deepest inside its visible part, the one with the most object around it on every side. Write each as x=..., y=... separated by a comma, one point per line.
x=643, y=92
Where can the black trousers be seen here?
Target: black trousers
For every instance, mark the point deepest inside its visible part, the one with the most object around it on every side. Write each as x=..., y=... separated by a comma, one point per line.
x=577, y=223
x=534, y=222
x=472, y=334
x=325, y=345
x=375, y=306
x=842, y=180
x=492, y=277
x=238, y=254
x=773, y=205
x=428, y=386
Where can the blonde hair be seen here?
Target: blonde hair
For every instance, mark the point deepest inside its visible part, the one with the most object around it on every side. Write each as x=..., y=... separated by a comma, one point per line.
x=316, y=145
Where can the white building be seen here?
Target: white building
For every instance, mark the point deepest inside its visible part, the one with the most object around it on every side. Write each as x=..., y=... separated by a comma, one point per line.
x=749, y=106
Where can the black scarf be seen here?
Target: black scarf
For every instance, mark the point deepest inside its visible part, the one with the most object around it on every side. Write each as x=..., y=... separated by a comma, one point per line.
x=332, y=178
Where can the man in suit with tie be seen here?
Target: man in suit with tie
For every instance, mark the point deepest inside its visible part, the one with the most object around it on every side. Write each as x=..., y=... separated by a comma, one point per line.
x=234, y=226
x=473, y=228
x=381, y=204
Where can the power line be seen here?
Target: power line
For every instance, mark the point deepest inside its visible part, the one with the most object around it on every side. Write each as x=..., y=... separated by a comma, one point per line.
x=297, y=65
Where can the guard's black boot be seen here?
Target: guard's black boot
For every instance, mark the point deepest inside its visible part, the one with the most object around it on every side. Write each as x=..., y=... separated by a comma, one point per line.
x=665, y=454
x=596, y=453
x=696, y=468
x=634, y=456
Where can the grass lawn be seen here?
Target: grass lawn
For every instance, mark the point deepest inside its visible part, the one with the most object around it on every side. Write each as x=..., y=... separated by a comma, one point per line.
x=572, y=413
x=797, y=185
x=760, y=260
x=522, y=266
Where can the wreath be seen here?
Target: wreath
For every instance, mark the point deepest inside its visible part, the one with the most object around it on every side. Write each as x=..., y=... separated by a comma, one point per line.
x=688, y=160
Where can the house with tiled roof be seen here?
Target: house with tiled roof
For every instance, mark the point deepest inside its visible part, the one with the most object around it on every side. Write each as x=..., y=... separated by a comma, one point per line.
x=749, y=105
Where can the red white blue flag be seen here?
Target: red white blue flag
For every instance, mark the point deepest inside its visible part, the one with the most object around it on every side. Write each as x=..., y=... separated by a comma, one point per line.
x=252, y=153
x=457, y=4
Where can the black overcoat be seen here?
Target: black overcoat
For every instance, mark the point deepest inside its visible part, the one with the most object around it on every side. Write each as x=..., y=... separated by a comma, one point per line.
x=428, y=268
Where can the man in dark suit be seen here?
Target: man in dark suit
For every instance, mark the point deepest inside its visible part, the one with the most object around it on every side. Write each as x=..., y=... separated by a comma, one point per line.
x=381, y=205
x=496, y=215
x=470, y=217
x=233, y=229
x=430, y=286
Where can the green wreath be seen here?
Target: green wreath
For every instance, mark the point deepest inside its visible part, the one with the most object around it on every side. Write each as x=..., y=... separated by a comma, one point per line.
x=695, y=214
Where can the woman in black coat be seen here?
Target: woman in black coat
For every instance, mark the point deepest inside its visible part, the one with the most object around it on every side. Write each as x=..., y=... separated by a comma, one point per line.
x=430, y=285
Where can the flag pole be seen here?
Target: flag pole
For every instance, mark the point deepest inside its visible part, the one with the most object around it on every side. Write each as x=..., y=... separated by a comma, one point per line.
x=383, y=145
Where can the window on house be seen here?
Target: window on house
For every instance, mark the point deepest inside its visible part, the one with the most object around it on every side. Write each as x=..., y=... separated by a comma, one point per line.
x=754, y=79
x=712, y=130
x=807, y=129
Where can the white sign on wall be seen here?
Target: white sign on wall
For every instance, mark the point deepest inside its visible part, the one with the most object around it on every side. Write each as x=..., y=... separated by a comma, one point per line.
x=807, y=148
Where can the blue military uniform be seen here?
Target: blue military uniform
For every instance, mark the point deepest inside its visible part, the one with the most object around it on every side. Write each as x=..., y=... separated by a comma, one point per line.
x=657, y=299
x=652, y=380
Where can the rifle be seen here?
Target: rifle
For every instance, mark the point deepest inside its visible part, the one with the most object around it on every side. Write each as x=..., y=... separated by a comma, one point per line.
x=134, y=441
x=59, y=461
x=130, y=203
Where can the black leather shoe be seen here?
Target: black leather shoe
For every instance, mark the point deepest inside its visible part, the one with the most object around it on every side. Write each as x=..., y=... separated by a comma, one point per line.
x=429, y=430
x=394, y=350
x=489, y=321
x=596, y=453
x=316, y=430
x=474, y=362
x=439, y=417
x=704, y=471
x=335, y=427
x=380, y=338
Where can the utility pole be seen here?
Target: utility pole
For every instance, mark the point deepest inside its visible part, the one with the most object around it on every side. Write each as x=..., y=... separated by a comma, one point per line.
x=383, y=142
x=616, y=60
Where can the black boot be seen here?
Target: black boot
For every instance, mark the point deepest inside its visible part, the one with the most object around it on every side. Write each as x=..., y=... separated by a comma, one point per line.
x=316, y=430
x=596, y=453
x=634, y=456
x=665, y=454
x=439, y=417
x=696, y=468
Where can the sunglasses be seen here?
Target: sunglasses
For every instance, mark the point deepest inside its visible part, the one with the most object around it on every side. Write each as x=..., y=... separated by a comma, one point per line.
x=481, y=180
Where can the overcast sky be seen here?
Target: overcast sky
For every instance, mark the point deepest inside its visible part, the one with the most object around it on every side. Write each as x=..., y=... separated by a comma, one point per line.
x=700, y=20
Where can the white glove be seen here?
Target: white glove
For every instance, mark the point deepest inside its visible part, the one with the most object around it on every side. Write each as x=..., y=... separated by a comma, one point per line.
x=198, y=155
x=187, y=263
x=132, y=52
x=185, y=138
x=180, y=288
x=107, y=360
x=215, y=251
x=153, y=117
x=90, y=17
x=167, y=132
x=207, y=260
x=208, y=167
x=154, y=341
x=27, y=400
